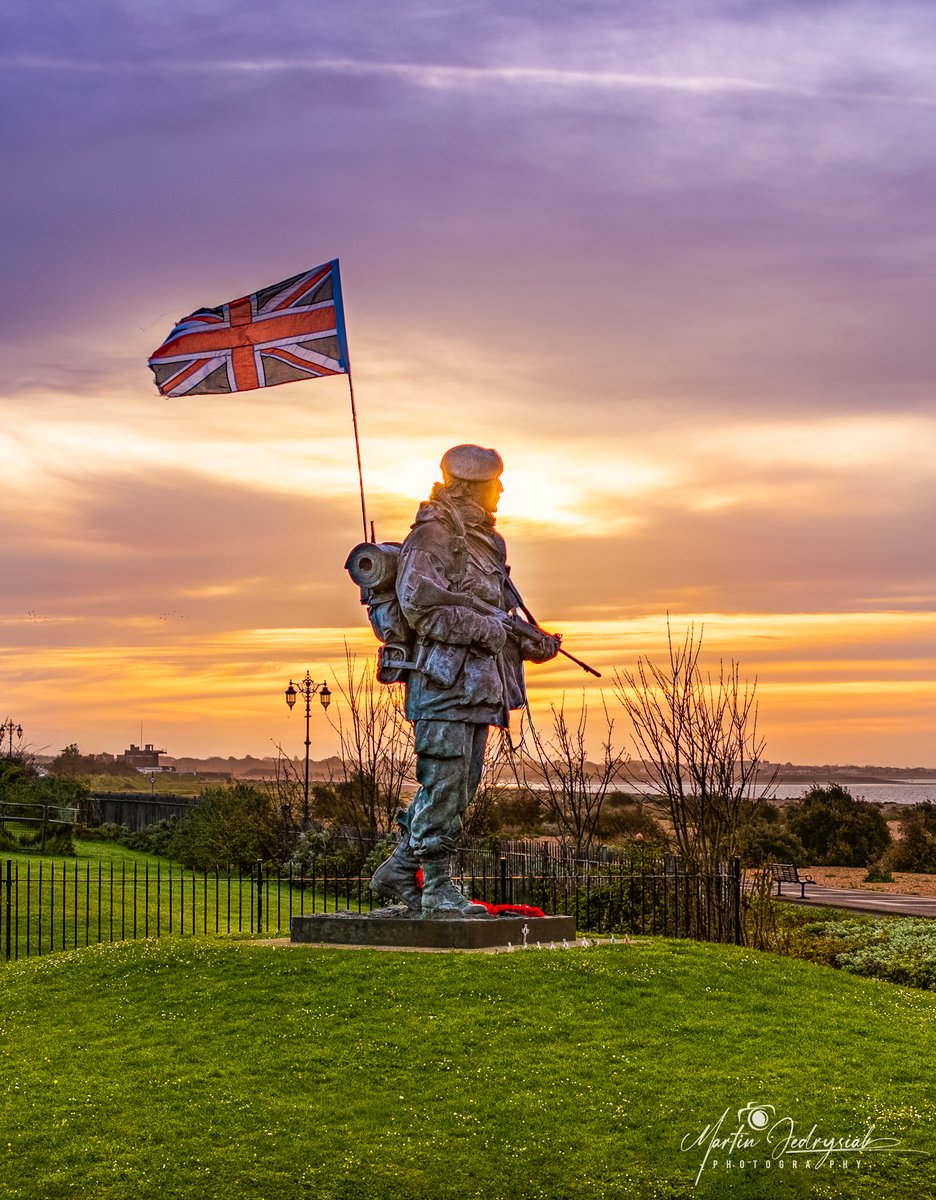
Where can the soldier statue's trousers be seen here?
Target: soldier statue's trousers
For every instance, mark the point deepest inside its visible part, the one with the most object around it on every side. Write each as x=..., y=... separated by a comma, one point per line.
x=449, y=758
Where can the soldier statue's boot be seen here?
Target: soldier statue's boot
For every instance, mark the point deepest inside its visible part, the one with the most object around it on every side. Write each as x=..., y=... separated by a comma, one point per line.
x=396, y=878
x=441, y=899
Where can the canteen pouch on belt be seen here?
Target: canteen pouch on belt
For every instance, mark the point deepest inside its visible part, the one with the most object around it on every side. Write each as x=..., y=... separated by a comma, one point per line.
x=442, y=663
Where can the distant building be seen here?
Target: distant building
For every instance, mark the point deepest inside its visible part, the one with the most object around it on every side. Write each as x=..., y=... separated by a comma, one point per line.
x=146, y=759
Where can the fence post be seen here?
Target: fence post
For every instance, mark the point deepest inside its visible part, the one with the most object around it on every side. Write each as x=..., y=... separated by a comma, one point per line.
x=675, y=891
x=503, y=879
x=736, y=887
x=259, y=897
x=9, y=906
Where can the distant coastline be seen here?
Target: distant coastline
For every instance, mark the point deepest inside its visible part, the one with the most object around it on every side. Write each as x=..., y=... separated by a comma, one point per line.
x=883, y=785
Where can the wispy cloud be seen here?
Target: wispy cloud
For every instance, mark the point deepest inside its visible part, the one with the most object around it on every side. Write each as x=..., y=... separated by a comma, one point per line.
x=448, y=77
x=665, y=257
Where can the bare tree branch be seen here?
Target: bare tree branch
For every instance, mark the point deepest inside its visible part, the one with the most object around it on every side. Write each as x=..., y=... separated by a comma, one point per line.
x=697, y=740
x=573, y=789
x=375, y=747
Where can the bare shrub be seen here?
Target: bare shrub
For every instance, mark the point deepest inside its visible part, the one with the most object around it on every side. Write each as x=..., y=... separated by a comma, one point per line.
x=572, y=787
x=697, y=738
x=376, y=748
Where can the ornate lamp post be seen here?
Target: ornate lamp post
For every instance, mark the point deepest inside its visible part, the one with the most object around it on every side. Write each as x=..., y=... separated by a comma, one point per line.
x=8, y=727
x=307, y=689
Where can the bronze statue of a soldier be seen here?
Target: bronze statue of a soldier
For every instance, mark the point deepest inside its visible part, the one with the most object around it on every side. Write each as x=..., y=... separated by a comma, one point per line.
x=453, y=591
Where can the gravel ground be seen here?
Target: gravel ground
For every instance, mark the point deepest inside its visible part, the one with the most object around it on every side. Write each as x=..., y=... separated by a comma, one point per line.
x=852, y=877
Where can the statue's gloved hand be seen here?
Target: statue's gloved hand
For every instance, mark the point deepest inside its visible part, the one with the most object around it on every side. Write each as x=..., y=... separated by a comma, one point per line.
x=540, y=647
x=492, y=634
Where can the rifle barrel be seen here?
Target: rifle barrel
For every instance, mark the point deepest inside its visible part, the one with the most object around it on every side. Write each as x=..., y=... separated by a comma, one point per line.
x=578, y=662
x=533, y=621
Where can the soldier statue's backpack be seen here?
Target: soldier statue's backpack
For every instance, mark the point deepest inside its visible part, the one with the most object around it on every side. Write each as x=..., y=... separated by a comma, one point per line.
x=373, y=567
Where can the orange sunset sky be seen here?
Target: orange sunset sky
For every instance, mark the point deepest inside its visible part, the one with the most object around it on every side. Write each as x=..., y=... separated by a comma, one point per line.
x=676, y=268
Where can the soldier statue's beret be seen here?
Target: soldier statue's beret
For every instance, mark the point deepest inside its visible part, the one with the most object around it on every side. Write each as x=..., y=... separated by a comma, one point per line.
x=473, y=463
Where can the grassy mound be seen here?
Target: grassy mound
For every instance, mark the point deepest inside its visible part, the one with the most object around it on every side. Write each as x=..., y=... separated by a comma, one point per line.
x=196, y=1070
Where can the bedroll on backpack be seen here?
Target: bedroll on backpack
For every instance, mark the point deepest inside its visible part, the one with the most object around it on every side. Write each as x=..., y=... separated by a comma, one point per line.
x=373, y=567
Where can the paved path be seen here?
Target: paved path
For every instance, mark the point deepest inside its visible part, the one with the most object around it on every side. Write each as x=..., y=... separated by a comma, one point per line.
x=887, y=904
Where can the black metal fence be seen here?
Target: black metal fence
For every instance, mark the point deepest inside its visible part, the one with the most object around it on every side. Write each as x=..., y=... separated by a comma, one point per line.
x=51, y=905
x=641, y=893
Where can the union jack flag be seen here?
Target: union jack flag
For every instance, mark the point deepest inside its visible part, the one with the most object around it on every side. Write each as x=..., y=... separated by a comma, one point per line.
x=292, y=330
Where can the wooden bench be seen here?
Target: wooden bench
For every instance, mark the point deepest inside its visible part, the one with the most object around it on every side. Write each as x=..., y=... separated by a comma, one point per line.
x=787, y=873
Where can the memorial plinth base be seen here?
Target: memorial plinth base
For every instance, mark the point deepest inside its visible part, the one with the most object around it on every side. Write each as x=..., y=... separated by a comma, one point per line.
x=364, y=929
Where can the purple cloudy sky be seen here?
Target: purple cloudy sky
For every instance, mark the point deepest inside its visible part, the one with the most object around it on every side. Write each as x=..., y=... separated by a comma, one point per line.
x=676, y=260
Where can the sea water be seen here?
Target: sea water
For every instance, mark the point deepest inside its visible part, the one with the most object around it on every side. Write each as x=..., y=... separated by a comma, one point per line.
x=882, y=792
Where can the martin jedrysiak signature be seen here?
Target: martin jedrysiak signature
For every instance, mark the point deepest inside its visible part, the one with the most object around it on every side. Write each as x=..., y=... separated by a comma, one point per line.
x=759, y=1131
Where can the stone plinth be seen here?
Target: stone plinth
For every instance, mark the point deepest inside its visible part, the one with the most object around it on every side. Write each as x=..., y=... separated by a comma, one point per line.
x=366, y=929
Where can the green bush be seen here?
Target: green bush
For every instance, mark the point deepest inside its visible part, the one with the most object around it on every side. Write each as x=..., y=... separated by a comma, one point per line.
x=895, y=949
x=379, y=854
x=619, y=908
x=105, y=832
x=624, y=816
x=915, y=850
x=65, y=793
x=838, y=830
x=318, y=849
x=153, y=839
x=232, y=826
x=157, y=838
x=898, y=949
x=515, y=810
x=770, y=841
x=12, y=772
x=328, y=802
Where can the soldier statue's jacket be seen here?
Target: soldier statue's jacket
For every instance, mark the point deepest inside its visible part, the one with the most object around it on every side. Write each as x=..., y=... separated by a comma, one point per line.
x=472, y=671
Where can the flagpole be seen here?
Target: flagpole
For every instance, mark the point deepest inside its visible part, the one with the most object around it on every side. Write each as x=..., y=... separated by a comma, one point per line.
x=357, y=449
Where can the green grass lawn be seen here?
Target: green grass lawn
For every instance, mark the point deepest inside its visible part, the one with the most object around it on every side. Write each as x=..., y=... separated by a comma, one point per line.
x=199, y=1070
x=93, y=852
x=163, y=783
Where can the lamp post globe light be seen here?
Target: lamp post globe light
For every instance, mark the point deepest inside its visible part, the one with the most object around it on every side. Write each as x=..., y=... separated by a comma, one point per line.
x=10, y=727
x=307, y=689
